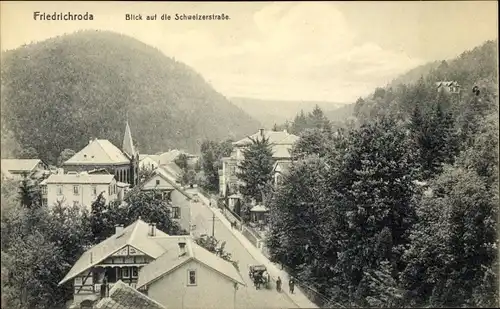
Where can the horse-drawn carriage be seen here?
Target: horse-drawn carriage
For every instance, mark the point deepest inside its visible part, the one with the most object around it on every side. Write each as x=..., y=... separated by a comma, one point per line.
x=259, y=275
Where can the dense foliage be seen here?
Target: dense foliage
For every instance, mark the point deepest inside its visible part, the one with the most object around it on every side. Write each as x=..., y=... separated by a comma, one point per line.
x=315, y=119
x=255, y=171
x=148, y=206
x=217, y=247
x=211, y=154
x=60, y=92
x=399, y=209
x=39, y=246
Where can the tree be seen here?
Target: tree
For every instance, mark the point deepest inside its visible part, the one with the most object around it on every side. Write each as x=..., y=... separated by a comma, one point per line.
x=317, y=119
x=28, y=153
x=65, y=155
x=299, y=123
x=150, y=206
x=182, y=161
x=39, y=246
x=29, y=192
x=213, y=245
x=312, y=141
x=211, y=154
x=453, y=245
x=188, y=177
x=256, y=169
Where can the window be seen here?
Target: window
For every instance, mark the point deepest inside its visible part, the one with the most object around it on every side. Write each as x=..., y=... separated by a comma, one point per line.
x=76, y=190
x=44, y=201
x=125, y=272
x=135, y=272
x=59, y=190
x=157, y=182
x=44, y=190
x=191, y=277
x=76, y=203
x=176, y=212
x=94, y=190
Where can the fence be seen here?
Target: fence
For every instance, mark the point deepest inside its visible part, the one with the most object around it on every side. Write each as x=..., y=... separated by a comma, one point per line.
x=252, y=237
x=311, y=293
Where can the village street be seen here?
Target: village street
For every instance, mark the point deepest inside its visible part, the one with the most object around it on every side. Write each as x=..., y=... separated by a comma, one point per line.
x=246, y=297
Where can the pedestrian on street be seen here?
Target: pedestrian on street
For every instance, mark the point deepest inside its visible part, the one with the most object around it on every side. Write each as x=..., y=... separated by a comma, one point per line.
x=291, y=285
x=278, y=284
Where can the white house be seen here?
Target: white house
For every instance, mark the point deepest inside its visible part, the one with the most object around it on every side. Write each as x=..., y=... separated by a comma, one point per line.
x=162, y=183
x=119, y=257
x=189, y=276
x=281, y=143
x=80, y=189
x=17, y=168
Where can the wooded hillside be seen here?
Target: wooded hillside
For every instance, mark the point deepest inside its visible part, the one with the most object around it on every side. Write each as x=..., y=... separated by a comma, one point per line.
x=398, y=208
x=58, y=93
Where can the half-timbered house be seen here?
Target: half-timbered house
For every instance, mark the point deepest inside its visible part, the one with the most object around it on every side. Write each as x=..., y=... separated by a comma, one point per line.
x=119, y=257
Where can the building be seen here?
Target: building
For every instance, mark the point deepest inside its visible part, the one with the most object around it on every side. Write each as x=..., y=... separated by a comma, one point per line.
x=119, y=257
x=173, y=171
x=448, y=86
x=189, y=276
x=123, y=296
x=280, y=168
x=18, y=168
x=149, y=162
x=101, y=153
x=281, y=141
x=161, y=183
x=81, y=189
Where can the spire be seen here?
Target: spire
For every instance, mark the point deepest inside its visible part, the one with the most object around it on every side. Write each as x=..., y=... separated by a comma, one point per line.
x=128, y=144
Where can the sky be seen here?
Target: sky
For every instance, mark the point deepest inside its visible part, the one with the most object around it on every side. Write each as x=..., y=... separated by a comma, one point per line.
x=311, y=51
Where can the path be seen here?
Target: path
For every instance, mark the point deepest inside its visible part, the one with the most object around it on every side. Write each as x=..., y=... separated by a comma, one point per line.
x=245, y=253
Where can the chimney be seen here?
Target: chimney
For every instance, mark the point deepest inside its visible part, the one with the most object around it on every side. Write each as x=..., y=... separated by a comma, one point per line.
x=118, y=228
x=285, y=131
x=152, y=229
x=261, y=132
x=91, y=139
x=182, y=248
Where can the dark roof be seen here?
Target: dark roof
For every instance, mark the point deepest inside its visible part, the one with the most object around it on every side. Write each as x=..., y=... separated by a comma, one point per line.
x=123, y=296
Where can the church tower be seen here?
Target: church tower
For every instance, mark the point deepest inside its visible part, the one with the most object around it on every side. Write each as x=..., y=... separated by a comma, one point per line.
x=129, y=150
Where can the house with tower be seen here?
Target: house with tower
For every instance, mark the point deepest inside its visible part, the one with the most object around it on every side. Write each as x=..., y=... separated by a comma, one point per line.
x=101, y=154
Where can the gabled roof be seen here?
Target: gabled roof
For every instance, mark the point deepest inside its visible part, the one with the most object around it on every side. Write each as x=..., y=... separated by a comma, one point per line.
x=168, y=178
x=169, y=156
x=171, y=260
x=82, y=178
x=98, y=151
x=281, y=151
x=128, y=144
x=135, y=235
x=172, y=169
x=19, y=165
x=123, y=296
x=282, y=166
x=275, y=137
x=155, y=158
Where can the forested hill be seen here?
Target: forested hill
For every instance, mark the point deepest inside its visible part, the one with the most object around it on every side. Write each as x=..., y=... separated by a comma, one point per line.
x=58, y=93
x=477, y=67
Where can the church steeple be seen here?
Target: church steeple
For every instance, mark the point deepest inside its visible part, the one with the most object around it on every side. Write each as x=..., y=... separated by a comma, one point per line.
x=128, y=144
